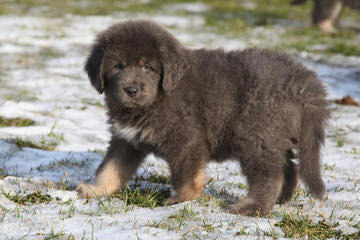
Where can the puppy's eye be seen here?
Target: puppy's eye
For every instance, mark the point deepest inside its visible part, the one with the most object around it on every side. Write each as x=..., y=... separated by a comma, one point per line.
x=146, y=68
x=119, y=66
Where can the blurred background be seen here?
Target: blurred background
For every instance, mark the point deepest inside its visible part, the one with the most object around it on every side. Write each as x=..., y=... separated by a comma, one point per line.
x=35, y=31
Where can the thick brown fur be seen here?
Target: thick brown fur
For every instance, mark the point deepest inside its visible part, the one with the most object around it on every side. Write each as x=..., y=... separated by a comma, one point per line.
x=192, y=106
x=325, y=13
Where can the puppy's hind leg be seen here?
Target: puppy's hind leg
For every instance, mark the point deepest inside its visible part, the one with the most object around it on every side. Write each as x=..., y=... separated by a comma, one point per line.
x=118, y=166
x=291, y=179
x=265, y=179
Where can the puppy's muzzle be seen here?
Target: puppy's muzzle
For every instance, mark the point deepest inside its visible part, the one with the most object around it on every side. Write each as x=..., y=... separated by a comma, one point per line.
x=131, y=91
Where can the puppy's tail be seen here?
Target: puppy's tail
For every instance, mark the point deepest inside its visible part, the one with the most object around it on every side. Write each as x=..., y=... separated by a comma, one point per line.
x=297, y=2
x=315, y=113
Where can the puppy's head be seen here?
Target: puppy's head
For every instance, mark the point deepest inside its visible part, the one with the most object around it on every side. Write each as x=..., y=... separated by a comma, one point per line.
x=134, y=62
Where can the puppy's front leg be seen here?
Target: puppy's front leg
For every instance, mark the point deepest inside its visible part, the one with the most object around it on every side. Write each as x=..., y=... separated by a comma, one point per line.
x=188, y=173
x=118, y=166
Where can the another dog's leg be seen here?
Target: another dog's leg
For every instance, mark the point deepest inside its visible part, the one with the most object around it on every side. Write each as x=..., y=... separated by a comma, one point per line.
x=291, y=179
x=118, y=166
x=264, y=172
x=355, y=4
x=326, y=13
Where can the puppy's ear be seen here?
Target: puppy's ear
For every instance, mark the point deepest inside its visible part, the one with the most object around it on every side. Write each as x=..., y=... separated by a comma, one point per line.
x=94, y=67
x=174, y=66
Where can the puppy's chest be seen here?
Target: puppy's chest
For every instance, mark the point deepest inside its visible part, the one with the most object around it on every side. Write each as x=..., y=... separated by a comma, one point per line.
x=129, y=133
x=126, y=132
x=132, y=134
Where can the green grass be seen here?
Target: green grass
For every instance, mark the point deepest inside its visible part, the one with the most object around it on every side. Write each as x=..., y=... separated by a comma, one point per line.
x=354, y=150
x=21, y=143
x=153, y=178
x=46, y=142
x=142, y=198
x=81, y=7
x=158, y=179
x=32, y=198
x=48, y=52
x=305, y=38
x=208, y=226
x=345, y=49
x=16, y=122
x=43, y=144
x=340, y=143
x=38, y=59
x=61, y=184
x=183, y=214
x=328, y=167
x=89, y=101
x=17, y=94
x=300, y=227
x=68, y=162
x=28, y=60
x=57, y=235
x=207, y=200
x=243, y=186
x=65, y=162
x=176, y=221
x=3, y=173
x=265, y=10
x=231, y=18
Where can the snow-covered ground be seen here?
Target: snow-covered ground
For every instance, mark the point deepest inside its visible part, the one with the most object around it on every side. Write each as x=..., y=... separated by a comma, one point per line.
x=41, y=78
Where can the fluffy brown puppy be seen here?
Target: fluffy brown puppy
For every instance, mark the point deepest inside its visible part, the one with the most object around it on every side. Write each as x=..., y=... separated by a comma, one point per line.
x=326, y=13
x=192, y=106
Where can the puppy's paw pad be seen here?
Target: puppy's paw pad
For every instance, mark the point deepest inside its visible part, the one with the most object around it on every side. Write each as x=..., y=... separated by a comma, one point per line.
x=85, y=190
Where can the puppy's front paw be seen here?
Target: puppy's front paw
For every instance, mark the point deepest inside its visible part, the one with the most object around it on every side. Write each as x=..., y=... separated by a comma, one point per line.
x=244, y=210
x=247, y=207
x=86, y=190
x=172, y=200
x=181, y=198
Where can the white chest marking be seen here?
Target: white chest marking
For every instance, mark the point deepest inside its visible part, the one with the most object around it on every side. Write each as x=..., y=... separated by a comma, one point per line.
x=126, y=132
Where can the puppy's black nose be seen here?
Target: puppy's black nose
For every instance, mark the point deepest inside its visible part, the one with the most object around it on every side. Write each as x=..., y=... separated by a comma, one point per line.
x=130, y=91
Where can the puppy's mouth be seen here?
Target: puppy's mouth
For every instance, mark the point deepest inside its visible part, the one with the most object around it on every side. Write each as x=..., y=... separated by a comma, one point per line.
x=123, y=101
x=131, y=104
